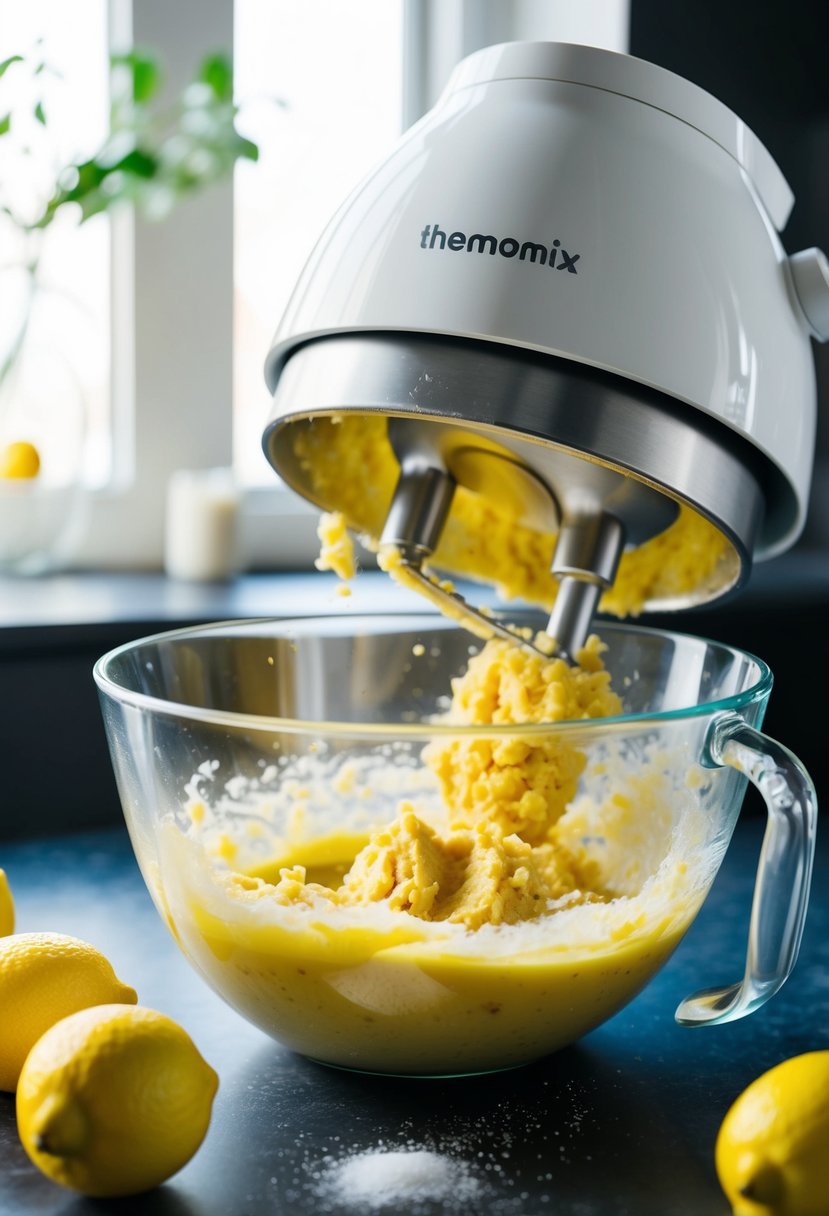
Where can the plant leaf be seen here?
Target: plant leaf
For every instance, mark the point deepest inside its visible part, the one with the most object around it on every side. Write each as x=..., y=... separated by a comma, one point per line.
x=95, y=204
x=151, y=158
x=137, y=162
x=217, y=72
x=146, y=78
x=87, y=177
x=5, y=64
x=5, y=123
x=247, y=149
x=145, y=73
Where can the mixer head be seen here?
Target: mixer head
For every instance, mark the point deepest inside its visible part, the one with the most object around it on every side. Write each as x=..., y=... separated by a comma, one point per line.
x=603, y=328
x=568, y=451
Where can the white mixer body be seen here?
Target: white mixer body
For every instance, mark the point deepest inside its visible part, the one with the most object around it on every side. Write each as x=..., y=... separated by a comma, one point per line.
x=593, y=207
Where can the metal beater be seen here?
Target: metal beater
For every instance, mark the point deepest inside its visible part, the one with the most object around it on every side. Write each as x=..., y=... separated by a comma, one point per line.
x=575, y=451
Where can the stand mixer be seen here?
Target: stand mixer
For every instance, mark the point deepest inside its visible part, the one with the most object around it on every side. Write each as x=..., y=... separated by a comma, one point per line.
x=564, y=290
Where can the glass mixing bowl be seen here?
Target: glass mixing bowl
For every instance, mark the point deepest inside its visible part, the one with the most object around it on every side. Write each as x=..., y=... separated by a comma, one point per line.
x=243, y=750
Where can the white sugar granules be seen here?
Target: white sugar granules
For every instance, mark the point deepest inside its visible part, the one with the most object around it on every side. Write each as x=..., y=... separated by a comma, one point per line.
x=374, y=1180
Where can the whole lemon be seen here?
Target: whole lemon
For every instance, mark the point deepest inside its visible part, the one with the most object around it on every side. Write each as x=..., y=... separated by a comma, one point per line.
x=772, y=1152
x=113, y=1100
x=6, y=906
x=19, y=460
x=44, y=977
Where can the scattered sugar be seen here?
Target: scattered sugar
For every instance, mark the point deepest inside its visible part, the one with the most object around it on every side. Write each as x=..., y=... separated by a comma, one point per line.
x=383, y=1178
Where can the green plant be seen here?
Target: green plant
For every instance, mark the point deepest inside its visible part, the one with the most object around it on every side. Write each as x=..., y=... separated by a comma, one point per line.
x=154, y=154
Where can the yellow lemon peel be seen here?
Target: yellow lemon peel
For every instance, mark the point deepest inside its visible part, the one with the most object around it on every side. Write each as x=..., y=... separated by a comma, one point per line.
x=45, y=977
x=771, y=1152
x=6, y=906
x=19, y=461
x=114, y=1100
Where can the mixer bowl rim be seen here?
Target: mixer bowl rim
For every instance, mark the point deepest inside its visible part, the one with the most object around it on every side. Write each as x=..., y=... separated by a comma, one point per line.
x=423, y=730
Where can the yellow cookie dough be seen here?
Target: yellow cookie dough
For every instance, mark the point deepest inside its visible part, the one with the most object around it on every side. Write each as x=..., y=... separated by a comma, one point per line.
x=497, y=859
x=351, y=467
x=336, y=546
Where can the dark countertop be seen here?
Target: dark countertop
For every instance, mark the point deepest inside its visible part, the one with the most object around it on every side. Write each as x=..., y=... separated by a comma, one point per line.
x=623, y=1124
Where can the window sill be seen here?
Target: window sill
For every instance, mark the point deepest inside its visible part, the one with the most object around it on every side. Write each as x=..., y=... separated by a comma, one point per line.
x=60, y=609
x=95, y=601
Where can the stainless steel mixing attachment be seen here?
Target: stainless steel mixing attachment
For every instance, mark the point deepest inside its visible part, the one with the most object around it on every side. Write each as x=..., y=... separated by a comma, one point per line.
x=575, y=452
x=593, y=510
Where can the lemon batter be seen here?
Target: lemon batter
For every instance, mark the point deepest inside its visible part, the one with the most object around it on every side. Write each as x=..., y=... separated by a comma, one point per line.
x=496, y=859
x=500, y=914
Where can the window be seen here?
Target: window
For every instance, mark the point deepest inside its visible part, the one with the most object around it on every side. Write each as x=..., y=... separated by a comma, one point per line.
x=191, y=320
x=63, y=369
x=342, y=95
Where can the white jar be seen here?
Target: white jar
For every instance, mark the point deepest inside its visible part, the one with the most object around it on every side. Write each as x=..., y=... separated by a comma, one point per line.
x=201, y=531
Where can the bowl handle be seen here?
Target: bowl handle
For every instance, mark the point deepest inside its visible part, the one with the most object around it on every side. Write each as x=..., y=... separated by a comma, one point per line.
x=781, y=891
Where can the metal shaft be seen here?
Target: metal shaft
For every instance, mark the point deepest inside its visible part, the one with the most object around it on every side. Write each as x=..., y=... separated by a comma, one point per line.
x=418, y=511
x=586, y=559
x=413, y=525
x=572, y=614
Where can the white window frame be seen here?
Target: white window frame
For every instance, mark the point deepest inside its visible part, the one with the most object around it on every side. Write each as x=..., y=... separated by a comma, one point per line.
x=172, y=283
